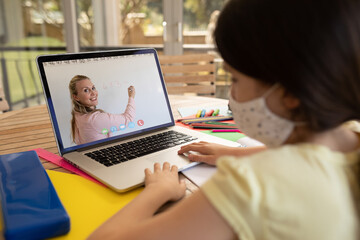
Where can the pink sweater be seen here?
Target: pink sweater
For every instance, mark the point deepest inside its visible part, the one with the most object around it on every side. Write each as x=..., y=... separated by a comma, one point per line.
x=90, y=125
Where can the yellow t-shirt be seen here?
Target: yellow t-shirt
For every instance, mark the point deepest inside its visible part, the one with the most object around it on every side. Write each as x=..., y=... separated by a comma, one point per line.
x=303, y=191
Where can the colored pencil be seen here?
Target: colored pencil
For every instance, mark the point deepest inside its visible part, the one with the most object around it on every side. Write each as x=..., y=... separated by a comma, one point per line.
x=217, y=111
x=208, y=114
x=212, y=126
x=204, y=119
x=226, y=130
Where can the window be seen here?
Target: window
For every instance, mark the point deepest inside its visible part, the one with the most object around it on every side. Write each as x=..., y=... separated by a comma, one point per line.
x=28, y=28
x=199, y=20
x=114, y=23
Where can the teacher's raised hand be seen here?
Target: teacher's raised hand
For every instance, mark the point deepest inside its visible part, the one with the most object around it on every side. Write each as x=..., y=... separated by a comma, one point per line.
x=131, y=91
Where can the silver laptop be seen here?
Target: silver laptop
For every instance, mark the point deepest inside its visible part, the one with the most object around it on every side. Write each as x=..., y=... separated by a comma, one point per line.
x=119, y=156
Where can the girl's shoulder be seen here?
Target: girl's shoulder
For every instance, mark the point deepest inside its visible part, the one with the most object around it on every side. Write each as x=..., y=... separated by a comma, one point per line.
x=290, y=159
x=265, y=187
x=353, y=126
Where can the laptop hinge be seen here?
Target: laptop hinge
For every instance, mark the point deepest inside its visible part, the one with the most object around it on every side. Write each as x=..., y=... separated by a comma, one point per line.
x=124, y=139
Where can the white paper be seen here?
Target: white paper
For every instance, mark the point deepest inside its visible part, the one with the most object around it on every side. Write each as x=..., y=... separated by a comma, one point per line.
x=200, y=173
x=249, y=142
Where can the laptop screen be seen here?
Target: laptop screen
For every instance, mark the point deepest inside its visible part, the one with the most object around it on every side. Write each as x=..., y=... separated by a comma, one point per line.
x=105, y=81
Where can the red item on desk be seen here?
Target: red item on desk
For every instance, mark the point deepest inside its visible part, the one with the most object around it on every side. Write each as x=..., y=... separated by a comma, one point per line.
x=208, y=114
x=211, y=126
x=180, y=124
x=207, y=119
x=58, y=160
x=226, y=130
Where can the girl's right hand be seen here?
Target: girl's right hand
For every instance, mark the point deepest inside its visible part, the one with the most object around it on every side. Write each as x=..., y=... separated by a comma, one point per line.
x=208, y=152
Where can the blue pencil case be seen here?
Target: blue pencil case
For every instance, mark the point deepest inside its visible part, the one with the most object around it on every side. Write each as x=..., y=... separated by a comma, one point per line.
x=31, y=208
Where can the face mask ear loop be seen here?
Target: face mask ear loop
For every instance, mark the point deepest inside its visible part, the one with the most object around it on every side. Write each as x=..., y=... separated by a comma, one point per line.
x=273, y=88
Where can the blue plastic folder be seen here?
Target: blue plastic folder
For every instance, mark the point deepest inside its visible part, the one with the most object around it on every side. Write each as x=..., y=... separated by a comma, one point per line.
x=31, y=208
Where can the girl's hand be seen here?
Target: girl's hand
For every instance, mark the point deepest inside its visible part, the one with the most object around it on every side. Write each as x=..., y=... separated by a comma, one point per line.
x=131, y=91
x=166, y=181
x=208, y=152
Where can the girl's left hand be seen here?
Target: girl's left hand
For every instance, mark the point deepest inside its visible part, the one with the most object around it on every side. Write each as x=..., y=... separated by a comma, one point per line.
x=165, y=180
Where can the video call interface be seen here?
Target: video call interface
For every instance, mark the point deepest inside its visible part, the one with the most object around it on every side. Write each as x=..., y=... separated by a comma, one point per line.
x=111, y=76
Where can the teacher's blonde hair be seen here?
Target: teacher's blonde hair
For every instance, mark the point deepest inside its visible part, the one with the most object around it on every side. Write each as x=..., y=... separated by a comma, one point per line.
x=76, y=105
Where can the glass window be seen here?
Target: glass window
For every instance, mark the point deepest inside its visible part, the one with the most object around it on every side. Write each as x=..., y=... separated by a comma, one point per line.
x=119, y=23
x=199, y=20
x=33, y=23
x=28, y=28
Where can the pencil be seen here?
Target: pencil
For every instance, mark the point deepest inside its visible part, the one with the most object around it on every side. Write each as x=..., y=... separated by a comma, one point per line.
x=217, y=111
x=226, y=130
x=214, y=126
x=208, y=114
x=206, y=119
x=210, y=127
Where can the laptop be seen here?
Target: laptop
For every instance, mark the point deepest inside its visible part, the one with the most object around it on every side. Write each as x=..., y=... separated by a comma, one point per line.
x=118, y=158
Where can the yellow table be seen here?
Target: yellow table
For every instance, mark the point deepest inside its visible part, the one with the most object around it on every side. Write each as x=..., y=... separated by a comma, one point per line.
x=30, y=128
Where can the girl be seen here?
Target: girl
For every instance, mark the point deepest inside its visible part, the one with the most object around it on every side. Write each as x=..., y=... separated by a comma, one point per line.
x=295, y=67
x=88, y=123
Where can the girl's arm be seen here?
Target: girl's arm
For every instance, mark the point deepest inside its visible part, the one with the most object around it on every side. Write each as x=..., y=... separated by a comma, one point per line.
x=191, y=218
x=210, y=152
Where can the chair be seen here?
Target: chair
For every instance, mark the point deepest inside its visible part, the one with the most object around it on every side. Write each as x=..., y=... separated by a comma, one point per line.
x=192, y=74
x=4, y=106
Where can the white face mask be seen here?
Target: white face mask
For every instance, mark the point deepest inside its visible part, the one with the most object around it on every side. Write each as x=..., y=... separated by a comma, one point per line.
x=256, y=120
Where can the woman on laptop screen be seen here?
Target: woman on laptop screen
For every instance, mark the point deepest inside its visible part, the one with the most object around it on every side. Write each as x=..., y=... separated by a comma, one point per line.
x=295, y=69
x=89, y=123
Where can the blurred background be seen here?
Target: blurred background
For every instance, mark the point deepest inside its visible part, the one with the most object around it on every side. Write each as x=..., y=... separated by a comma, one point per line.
x=29, y=28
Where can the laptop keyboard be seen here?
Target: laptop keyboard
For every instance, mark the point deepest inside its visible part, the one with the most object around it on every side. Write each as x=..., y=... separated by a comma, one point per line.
x=126, y=151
